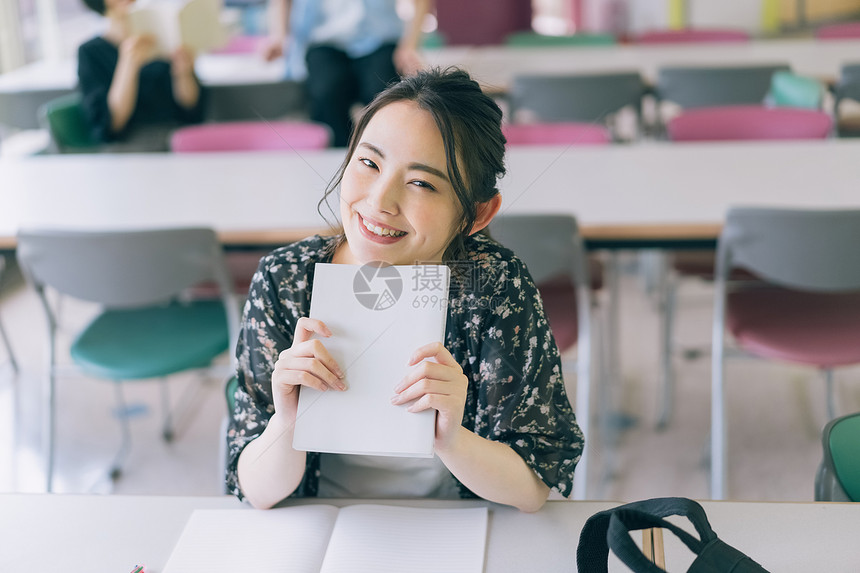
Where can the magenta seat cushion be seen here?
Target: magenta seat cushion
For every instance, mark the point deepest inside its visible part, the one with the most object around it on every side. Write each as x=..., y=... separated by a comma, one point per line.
x=809, y=328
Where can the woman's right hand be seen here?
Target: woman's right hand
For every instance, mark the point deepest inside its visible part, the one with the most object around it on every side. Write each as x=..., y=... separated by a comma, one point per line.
x=305, y=363
x=137, y=50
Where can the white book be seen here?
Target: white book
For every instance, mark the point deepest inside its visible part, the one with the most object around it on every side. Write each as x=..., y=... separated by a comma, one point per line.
x=378, y=316
x=325, y=539
x=173, y=23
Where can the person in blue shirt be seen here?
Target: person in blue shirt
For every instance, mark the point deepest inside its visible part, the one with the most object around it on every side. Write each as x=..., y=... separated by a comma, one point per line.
x=346, y=50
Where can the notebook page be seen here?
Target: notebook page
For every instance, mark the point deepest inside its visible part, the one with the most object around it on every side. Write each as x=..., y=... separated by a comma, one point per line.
x=290, y=539
x=378, y=317
x=382, y=539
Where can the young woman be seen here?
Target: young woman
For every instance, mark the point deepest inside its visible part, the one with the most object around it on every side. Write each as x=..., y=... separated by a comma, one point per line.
x=418, y=185
x=127, y=92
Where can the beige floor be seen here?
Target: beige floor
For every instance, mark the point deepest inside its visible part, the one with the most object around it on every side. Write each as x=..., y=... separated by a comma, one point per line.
x=776, y=412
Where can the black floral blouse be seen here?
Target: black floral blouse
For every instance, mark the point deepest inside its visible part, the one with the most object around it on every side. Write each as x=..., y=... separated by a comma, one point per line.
x=496, y=330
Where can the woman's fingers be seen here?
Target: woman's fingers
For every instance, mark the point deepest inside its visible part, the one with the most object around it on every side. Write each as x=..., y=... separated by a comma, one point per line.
x=315, y=368
x=435, y=351
x=307, y=327
x=429, y=386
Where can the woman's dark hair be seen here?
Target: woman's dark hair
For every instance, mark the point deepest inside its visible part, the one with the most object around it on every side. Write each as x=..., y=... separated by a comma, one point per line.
x=470, y=124
x=96, y=6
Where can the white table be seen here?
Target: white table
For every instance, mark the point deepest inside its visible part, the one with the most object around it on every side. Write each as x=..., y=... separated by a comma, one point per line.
x=230, y=78
x=495, y=66
x=642, y=195
x=78, y=533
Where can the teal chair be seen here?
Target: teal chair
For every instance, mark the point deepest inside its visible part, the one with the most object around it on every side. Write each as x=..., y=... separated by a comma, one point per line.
x=535, y=40
x=838, y=477
x=146, y=328
x=791, y=90
x=64, y=119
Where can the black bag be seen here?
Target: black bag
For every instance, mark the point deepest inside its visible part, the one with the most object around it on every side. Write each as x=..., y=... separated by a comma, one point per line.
x=611, y=529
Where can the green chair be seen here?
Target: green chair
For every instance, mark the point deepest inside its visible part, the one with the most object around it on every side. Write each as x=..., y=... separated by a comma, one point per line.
x=146, y=328
x=535, y=40
x=64, y=119
x=790, y=90
x=838, y=477
x=433, y=40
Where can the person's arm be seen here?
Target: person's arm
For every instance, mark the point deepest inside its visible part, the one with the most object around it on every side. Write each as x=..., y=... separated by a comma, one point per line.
x=186, y=89
x=278, y=16
x=407, y=61
x=491, y=470
x=134, y=52
x=507, y=432
x=269, y=468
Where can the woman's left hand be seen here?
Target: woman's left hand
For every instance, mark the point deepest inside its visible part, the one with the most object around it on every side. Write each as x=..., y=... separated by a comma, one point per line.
x=439, y=385
x=182, y=62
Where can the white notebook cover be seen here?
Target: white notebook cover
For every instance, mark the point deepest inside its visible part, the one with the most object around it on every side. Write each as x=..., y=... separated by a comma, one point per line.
x=378, y=316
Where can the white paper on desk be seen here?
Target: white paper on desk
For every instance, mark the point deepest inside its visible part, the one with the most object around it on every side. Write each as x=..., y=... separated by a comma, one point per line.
x=390, y=539
x=378, y=317
x=233, y=540
x=316, y=538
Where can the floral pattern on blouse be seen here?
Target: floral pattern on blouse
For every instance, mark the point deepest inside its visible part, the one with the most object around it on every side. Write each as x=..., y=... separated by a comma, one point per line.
x=496, y=330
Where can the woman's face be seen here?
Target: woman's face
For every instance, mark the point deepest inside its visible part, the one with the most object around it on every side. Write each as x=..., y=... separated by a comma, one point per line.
x=396, y=202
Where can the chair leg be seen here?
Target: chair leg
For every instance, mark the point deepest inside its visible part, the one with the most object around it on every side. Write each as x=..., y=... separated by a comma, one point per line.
x=167, y=424
x=718, y=420
x=584, y=380
x=125, y=445
x=49, y=396
x=667, y=393
x=5, y=339
x=49, y=422
x=831, y=393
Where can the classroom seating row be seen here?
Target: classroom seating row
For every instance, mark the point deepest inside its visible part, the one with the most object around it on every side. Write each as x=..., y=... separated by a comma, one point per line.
x=545, y=109
x=798, y=300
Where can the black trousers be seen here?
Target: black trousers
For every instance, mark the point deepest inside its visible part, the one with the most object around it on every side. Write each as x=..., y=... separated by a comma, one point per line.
x=336, y=81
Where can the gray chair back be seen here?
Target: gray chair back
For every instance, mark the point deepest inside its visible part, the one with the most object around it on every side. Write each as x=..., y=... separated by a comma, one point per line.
x=802, y=249
x=125, y=269
x=692, y=87
x=587, y=98
x=549, y=245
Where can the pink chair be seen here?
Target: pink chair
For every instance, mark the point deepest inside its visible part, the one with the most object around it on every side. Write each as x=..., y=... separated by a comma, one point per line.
x=721, y=124
x=247, y=136
x=562, y=133
x=692, y=35
x=807, y=312
x=241, y=45
x=251, y=136
x=748, y=122
x=844, y=31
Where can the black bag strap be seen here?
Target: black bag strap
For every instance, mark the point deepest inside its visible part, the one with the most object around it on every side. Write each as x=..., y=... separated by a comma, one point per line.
x=611, y=529
x=622, y=522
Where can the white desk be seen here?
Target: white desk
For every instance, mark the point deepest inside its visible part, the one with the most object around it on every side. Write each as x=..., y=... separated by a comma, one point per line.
x=230, y=78
x=495, y=66
x=640, y=195
x=113, y=533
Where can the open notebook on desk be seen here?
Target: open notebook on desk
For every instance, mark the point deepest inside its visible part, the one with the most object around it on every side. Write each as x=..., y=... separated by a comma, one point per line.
x=327, y=539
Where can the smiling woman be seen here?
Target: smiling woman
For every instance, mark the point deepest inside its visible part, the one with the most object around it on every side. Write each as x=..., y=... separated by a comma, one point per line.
x=418, y=185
